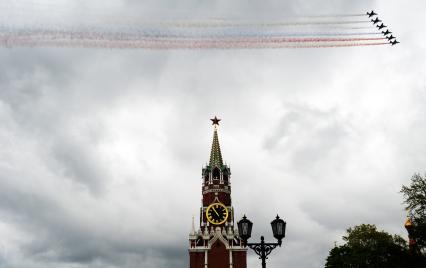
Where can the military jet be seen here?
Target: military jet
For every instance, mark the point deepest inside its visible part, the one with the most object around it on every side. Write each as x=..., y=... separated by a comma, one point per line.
x=387, y=32
x=371, y=14
x=375, y=21
x=394, y=42
x=381, y=26
x=390, y=37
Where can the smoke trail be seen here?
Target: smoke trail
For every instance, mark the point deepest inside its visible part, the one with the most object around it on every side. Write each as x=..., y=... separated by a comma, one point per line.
x=150, y=44
x=203, y=24
x=335, y=16
x=96, y=40
x=123, y=36
x=338, y=30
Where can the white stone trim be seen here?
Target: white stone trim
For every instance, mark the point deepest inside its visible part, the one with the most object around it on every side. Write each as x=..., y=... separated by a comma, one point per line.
x=218, y=236
x=217, y=190
x=230, y=259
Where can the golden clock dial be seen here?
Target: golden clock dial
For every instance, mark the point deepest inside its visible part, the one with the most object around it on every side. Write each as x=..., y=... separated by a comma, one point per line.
x=217, y=213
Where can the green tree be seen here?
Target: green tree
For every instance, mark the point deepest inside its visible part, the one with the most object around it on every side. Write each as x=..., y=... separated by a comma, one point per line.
x=366, y=247
x=415, y=199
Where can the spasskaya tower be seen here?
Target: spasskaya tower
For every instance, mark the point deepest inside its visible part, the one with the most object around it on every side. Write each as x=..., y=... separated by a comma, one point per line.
x=216, y=243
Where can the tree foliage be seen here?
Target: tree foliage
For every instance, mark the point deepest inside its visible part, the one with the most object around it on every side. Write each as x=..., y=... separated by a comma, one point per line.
x=415, y=196
x=415, y=199
x=365, y=246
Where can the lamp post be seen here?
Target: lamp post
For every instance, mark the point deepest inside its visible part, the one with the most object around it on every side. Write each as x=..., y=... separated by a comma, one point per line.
x=262, y=249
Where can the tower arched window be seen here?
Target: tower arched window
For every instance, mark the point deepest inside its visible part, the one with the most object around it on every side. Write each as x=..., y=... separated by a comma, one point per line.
x=216, y=173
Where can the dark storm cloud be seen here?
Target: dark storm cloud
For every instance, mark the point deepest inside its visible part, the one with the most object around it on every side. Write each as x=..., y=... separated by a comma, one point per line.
x=63, y=238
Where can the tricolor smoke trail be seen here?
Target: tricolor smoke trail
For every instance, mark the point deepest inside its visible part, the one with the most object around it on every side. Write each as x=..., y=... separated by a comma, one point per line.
x=319, y=31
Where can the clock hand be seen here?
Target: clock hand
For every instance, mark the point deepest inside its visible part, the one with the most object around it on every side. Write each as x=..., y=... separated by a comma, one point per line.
x=215, y=212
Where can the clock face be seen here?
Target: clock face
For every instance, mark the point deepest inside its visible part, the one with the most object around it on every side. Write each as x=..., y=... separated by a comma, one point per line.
x=217, y=213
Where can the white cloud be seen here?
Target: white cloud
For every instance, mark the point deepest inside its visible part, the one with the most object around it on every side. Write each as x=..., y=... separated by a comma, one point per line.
x=101, y=150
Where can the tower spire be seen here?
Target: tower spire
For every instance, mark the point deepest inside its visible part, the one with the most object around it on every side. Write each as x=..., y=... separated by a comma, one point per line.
x=216, y=244
x=215, y=153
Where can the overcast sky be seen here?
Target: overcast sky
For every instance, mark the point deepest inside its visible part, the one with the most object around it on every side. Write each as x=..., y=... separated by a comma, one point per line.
x=101, y=150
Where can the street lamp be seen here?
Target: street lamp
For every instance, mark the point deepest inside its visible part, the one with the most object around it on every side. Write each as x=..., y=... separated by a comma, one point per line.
x=262, y=249
x=244, y=228
x=278, y=229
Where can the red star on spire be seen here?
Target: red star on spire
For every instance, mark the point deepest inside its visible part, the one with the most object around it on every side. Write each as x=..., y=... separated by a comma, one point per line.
x=215, y=120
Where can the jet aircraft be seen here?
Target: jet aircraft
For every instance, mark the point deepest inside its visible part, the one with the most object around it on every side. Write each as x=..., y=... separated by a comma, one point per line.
x=387, y=32
x=371, y=14
x=394, y=42
x=381, y=26
x=390, y=37
x=375, y=21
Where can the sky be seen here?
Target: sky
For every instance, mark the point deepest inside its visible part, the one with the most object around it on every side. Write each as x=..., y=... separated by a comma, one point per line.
x=102, y=149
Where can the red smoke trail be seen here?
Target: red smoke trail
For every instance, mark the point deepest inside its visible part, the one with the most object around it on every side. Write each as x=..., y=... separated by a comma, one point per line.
x=121, y=37
x=180, y=44
x=268, y=39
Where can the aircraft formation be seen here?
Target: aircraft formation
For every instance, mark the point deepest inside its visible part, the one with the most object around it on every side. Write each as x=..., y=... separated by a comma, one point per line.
x=387, y=34
x=95, y=30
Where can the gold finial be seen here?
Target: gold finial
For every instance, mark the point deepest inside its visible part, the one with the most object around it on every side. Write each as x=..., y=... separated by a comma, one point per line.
x=408, y=223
